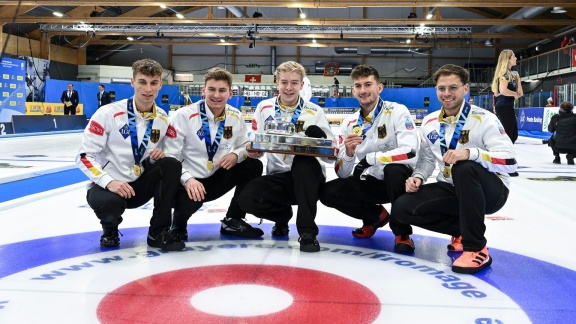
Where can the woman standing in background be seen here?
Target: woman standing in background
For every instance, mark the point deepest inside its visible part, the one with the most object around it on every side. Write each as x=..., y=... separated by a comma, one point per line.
x=506, y=87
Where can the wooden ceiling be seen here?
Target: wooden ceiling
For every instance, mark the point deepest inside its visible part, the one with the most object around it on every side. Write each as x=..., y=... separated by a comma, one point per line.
x=508, y=23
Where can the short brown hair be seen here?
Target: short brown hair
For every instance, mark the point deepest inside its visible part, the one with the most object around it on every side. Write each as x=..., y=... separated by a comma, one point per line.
x=567, y=106
x=218, y=74
x=147, y=67
x=364, y=70
x=449, y=69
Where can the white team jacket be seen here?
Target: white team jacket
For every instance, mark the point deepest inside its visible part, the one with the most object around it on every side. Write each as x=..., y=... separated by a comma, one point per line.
x=482, y=135
x=392, y=139
x=106, y=150
x=184, y=143
x=311, y=114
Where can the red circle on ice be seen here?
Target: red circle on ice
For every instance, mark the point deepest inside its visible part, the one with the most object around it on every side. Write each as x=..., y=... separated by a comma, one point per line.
x=318, y=297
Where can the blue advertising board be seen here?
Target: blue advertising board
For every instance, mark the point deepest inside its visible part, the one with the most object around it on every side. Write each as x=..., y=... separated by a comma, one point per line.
x=12, y=92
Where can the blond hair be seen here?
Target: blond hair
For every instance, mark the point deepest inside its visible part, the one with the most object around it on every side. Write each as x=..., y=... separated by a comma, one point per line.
x=288, y=67
x=501, y=68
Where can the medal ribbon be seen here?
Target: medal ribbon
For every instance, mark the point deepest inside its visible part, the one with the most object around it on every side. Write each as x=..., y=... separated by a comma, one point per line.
x=137, y=151
x=360, y=121
x=457, y=131
x=211, y=147
x=297, y=111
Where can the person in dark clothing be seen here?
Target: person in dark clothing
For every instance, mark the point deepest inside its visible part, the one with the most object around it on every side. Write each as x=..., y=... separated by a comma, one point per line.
x=103, y=96
x=507, y=89
x=70, y=99
x=564, y=140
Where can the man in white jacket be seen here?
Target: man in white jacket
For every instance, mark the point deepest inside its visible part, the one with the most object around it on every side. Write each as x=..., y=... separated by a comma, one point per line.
x=120, y=155
x=209, y=137
x=382, y=137
x=290, y=179
x=474, y=156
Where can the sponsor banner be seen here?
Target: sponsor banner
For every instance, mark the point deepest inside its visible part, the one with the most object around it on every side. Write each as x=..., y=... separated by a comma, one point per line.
x=531, y=119
x=12, y=88
x=49, y=108
x=548, y=113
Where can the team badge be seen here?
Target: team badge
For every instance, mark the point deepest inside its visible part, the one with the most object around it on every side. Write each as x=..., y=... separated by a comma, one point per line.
x=155, y=136
x=125, y=131
x=464, y=137
x=227, y=132
x=382, y=131
x=432, y=136
x=299, y=126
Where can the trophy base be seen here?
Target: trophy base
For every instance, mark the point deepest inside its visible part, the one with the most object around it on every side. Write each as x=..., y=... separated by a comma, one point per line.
x=325, y=152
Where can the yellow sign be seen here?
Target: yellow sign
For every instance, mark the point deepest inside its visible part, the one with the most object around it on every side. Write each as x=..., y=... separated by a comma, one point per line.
x=49, y=108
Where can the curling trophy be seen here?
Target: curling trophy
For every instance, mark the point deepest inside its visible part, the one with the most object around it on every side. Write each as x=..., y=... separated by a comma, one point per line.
x=278, y=137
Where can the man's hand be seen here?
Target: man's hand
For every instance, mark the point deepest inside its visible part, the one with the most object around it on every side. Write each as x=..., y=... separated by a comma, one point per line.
x=227, y=161
x=413, y=184
x=254, y=155
x=453, y=156
x=351, y=141
x=157, y=154
x=195, y=189
x=315, y=131
x=122, y=189
x=360, y=167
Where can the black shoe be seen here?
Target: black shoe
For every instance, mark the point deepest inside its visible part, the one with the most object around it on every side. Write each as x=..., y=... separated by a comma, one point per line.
x=570, y=159
x=166, y=241
x=309, y=243
x=182, y=235
x=238, y=227
x=513, y=174
x=556, y=160
x=280, y=230
x=179, y=231
x=109, y=238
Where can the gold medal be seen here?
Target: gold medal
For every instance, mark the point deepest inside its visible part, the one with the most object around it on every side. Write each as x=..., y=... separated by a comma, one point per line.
x=210, y=166
x=137, y=170
x=446, y=172
x=357, y=130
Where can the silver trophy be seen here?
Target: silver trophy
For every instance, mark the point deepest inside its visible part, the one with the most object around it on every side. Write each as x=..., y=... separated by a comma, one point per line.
x=278, y=138
x=279, y=127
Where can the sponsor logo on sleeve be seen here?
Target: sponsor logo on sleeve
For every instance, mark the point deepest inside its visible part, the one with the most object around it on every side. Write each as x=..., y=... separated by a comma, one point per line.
x=96, y=128
x=408, y=123
x=171, y=132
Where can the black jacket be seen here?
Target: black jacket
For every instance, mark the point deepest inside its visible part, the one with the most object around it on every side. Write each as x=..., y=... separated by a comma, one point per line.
x=73, y=98
x=564, y=124
x=104, y=100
